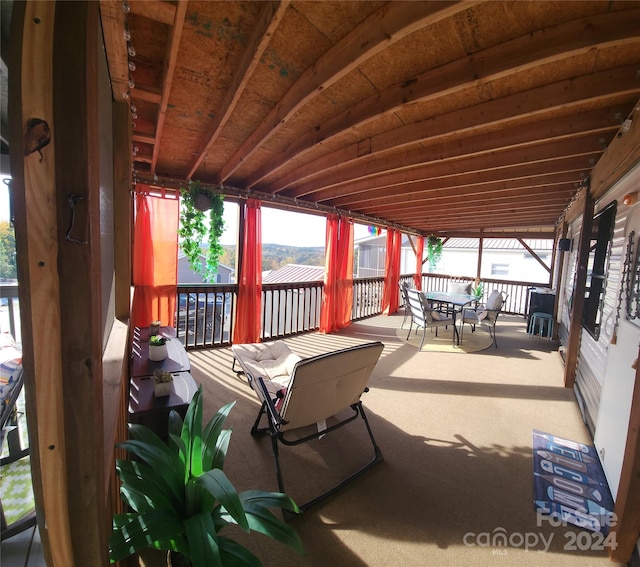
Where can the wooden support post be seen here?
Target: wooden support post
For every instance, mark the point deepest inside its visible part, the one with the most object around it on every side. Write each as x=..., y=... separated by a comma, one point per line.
x=577, y=307
x=627, y=508
x=123, y=220
x=480, y=245
x=84, y=173
x=32, y=125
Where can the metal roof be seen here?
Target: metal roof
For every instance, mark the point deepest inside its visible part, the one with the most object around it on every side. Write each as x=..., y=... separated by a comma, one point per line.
x=499, y=244
x=292, y=273
x=542, y=244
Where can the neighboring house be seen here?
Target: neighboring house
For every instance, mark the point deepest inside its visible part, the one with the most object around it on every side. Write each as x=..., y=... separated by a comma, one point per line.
x=187, y=276
x=502, y=258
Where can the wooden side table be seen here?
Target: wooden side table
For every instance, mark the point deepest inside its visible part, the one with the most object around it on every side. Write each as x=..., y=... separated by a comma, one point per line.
x=146, y=409
x=176, y=361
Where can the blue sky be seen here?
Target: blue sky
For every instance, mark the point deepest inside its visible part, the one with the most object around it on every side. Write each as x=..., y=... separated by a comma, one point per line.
x=278, y=227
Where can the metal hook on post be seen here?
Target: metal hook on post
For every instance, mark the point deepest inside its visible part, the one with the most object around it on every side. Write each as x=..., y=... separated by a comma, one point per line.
x=73, y=201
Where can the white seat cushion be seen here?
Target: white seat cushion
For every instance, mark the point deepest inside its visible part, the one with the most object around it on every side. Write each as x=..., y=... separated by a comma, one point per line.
x=460, y=287
x=494, y=303
x=272, y=361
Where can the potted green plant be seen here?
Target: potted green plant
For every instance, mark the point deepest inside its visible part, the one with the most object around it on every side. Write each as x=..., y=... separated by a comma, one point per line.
x=180, y=499
x=157, y=347
x=162, y=382
x=478, y=290
x=198, y=228
x=434, y=251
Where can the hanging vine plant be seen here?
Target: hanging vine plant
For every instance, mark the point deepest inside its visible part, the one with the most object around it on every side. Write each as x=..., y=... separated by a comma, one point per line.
x=434, y=251
x=201, y=222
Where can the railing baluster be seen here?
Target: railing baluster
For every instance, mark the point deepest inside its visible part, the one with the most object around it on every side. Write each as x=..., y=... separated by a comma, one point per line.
x=299, y=310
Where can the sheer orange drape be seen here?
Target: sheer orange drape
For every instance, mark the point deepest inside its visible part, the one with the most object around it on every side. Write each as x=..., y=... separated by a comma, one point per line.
x=391, y=290
x=337, y=293
x=417, y=277
x=247, y=326
x=155, y=260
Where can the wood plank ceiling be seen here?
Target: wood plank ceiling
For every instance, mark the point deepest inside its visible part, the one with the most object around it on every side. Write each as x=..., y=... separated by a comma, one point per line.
x=448, y=118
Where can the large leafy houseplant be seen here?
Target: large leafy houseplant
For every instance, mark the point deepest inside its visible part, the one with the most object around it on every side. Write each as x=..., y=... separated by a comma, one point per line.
x=196, y=229
x=180, y=498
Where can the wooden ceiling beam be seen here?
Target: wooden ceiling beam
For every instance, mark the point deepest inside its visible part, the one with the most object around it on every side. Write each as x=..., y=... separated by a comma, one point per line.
x=498, y=165
x=145, y=95
x=268, y=21
x=113, y=25
x=558, y=42
x=536, y=233
x=386, y=26
x=464, y=208
x=526, y=176
x=605, y=89
x=468, y=201
x=167, y=76
x=445, y=224
x=596, y=124
x=157, y=10
x=545, y=184
x=144, y=138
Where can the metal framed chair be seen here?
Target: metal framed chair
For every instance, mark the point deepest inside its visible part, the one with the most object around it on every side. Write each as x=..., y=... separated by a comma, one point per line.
x=405, y=302
x=424, y=315
x=320, y=387
x=485, y=315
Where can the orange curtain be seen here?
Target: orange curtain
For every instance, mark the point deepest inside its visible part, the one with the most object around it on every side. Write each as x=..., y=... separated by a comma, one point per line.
x=337, y=293
x=392, y=272
x=417, y=277
x=155, y=260
x=344, y=288
x=247, y=327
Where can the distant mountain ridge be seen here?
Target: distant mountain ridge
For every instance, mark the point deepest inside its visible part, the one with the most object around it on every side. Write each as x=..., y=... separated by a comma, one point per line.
x=275, y=256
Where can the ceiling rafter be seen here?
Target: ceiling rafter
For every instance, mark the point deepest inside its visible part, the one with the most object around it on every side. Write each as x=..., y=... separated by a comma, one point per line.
x=465, y=181
x=388, y=25
x=494, y=163
x=504, y=104
x=426, y=203
x=168, y=74
x=558, y=42
x=157, y=10
x=269, y=19
x=602, y=88
x=594, y=124
x=113, y=22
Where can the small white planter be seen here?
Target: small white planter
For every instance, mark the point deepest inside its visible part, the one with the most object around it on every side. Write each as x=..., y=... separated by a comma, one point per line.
x=161, y=389
x=157, y=352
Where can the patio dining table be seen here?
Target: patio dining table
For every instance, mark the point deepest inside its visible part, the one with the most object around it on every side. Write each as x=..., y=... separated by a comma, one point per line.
x=457, y=301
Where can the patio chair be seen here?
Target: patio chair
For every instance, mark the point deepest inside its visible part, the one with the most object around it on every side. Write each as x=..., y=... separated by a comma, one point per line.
x=424, y=315
x=405, y=301
x=485, y=315
x=11, y=381
x=319, y=388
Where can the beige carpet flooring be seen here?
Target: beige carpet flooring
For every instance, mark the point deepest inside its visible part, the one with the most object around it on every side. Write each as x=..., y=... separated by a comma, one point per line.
x=455, y=432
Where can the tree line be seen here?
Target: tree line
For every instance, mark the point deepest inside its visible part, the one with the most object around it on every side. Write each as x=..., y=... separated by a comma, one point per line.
x=275, y=256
